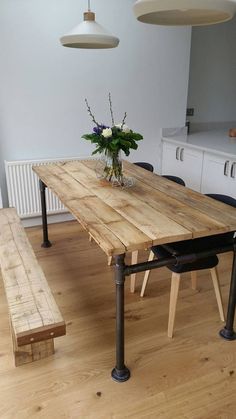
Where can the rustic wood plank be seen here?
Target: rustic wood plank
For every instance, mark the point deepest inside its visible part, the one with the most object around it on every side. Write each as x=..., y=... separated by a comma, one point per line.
x=217, y=210
x=107, y=227
x=34, y=313
x=147, y=219
x=199, y=223
x=153, y=211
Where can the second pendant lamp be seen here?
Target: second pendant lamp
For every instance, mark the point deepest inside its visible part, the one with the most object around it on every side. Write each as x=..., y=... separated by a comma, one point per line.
x=89, y=34
x=184, y=12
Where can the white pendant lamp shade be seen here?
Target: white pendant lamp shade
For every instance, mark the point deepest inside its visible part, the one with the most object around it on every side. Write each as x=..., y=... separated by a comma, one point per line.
x=89, y=34
x=184, y=12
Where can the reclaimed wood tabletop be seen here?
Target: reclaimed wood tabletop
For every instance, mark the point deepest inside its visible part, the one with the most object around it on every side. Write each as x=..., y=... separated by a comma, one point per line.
x=154, y=210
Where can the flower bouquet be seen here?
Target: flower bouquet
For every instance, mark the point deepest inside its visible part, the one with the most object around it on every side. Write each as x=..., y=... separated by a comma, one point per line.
x=111, y=140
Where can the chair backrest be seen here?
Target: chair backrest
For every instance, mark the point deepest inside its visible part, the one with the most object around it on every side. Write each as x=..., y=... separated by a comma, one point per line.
x=175, y=179
x=223, y=198
x=144, y=165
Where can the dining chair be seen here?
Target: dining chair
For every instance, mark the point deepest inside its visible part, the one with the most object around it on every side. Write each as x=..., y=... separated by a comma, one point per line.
x=175, y=179
x=192, y=246
x=145, y=165
x=134, y=255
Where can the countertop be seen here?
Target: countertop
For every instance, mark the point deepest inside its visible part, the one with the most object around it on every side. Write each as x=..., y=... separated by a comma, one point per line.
x=216, y=141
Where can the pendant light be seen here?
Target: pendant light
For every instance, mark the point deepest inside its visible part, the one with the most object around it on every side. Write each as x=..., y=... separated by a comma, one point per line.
x=184, y=12
x=89, y=34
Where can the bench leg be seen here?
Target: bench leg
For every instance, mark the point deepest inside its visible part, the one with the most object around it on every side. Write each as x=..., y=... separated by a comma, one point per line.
x=46, y=242
x=32, y=352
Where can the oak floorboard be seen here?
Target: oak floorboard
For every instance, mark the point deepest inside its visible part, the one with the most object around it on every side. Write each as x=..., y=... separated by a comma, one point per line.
x=192, y=376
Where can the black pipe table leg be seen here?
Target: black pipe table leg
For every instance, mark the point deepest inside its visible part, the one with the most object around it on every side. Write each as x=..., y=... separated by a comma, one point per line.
x=120, y=373
x=228, y=331
x=46, y=242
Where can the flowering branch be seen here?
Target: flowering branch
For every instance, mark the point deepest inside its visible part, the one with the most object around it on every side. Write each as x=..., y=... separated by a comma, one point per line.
x=111, y=111
x=112, y=139
x=90, y=113
x=123, y=121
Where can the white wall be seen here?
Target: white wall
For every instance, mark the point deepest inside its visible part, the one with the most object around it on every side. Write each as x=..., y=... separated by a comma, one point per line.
x=43, y=85
x=212, y=83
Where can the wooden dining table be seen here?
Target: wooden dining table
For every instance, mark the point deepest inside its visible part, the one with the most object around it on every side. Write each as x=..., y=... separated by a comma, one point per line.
x=152, y=211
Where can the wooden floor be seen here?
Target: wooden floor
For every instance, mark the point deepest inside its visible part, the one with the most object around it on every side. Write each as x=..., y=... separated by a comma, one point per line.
x=192, y=376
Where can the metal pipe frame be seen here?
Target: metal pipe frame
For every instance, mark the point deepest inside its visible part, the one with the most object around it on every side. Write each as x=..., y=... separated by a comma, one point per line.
x=46, y=242
x=121, y=373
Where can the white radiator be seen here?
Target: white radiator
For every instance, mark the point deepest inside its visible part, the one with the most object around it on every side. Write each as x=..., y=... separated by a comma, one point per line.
x=23, y=188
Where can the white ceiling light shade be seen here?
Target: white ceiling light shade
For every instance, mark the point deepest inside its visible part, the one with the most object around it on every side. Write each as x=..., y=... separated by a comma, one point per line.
x=89, y=34
x=184, y=12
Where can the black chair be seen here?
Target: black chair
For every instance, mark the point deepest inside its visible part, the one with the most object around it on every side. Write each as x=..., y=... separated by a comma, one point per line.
x=193, y=246
x=150, y=168
x=144, y=165
x=175, y=179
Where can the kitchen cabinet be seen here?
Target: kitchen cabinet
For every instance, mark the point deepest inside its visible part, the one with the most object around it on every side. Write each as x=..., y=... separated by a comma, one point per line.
x=183, y=161
x=203, y=169
x=218, y=174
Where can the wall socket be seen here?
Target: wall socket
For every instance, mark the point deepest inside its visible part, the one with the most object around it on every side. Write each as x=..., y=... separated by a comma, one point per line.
x=190, y=112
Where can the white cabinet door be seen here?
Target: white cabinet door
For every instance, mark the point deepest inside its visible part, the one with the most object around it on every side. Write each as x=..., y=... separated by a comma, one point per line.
x=218, y=175
x=170, y=159
x=182, y=161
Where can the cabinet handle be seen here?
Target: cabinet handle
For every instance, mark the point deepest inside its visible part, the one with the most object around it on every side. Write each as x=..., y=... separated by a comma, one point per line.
x=177, y=153
x=226, y=168
x=232, y=171
x=182, y=154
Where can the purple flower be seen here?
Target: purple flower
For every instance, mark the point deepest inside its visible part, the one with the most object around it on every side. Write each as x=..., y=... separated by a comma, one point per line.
x=98, y=129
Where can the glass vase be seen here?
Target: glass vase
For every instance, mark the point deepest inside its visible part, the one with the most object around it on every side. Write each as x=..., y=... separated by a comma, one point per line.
x=112, y=171
x=109, y=168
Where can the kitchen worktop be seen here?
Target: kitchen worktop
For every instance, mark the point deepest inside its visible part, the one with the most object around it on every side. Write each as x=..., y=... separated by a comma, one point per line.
x=216, y=140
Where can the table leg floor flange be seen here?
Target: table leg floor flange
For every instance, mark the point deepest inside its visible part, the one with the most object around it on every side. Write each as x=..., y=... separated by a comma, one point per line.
x=227, y=334
x=46, y=244
x=120, y=375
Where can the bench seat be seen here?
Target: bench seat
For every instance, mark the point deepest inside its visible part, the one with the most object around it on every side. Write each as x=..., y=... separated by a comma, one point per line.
x=34, y=316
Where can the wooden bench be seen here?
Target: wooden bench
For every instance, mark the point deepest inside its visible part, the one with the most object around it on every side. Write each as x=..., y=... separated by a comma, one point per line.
x=35, y=319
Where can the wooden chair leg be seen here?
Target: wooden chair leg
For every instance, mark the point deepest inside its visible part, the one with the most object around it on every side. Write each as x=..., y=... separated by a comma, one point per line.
x=175, y=280
x=90, y=238
x=134, y=260
x=215, y=279
x=146, y=276
x=194, y=280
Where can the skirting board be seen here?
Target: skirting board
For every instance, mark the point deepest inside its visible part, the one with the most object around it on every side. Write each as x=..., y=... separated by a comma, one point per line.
x=53, y=218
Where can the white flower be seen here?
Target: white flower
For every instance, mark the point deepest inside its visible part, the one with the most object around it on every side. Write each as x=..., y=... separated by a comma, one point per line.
x=126, y=129
x=107, y=132
x=118, y=126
